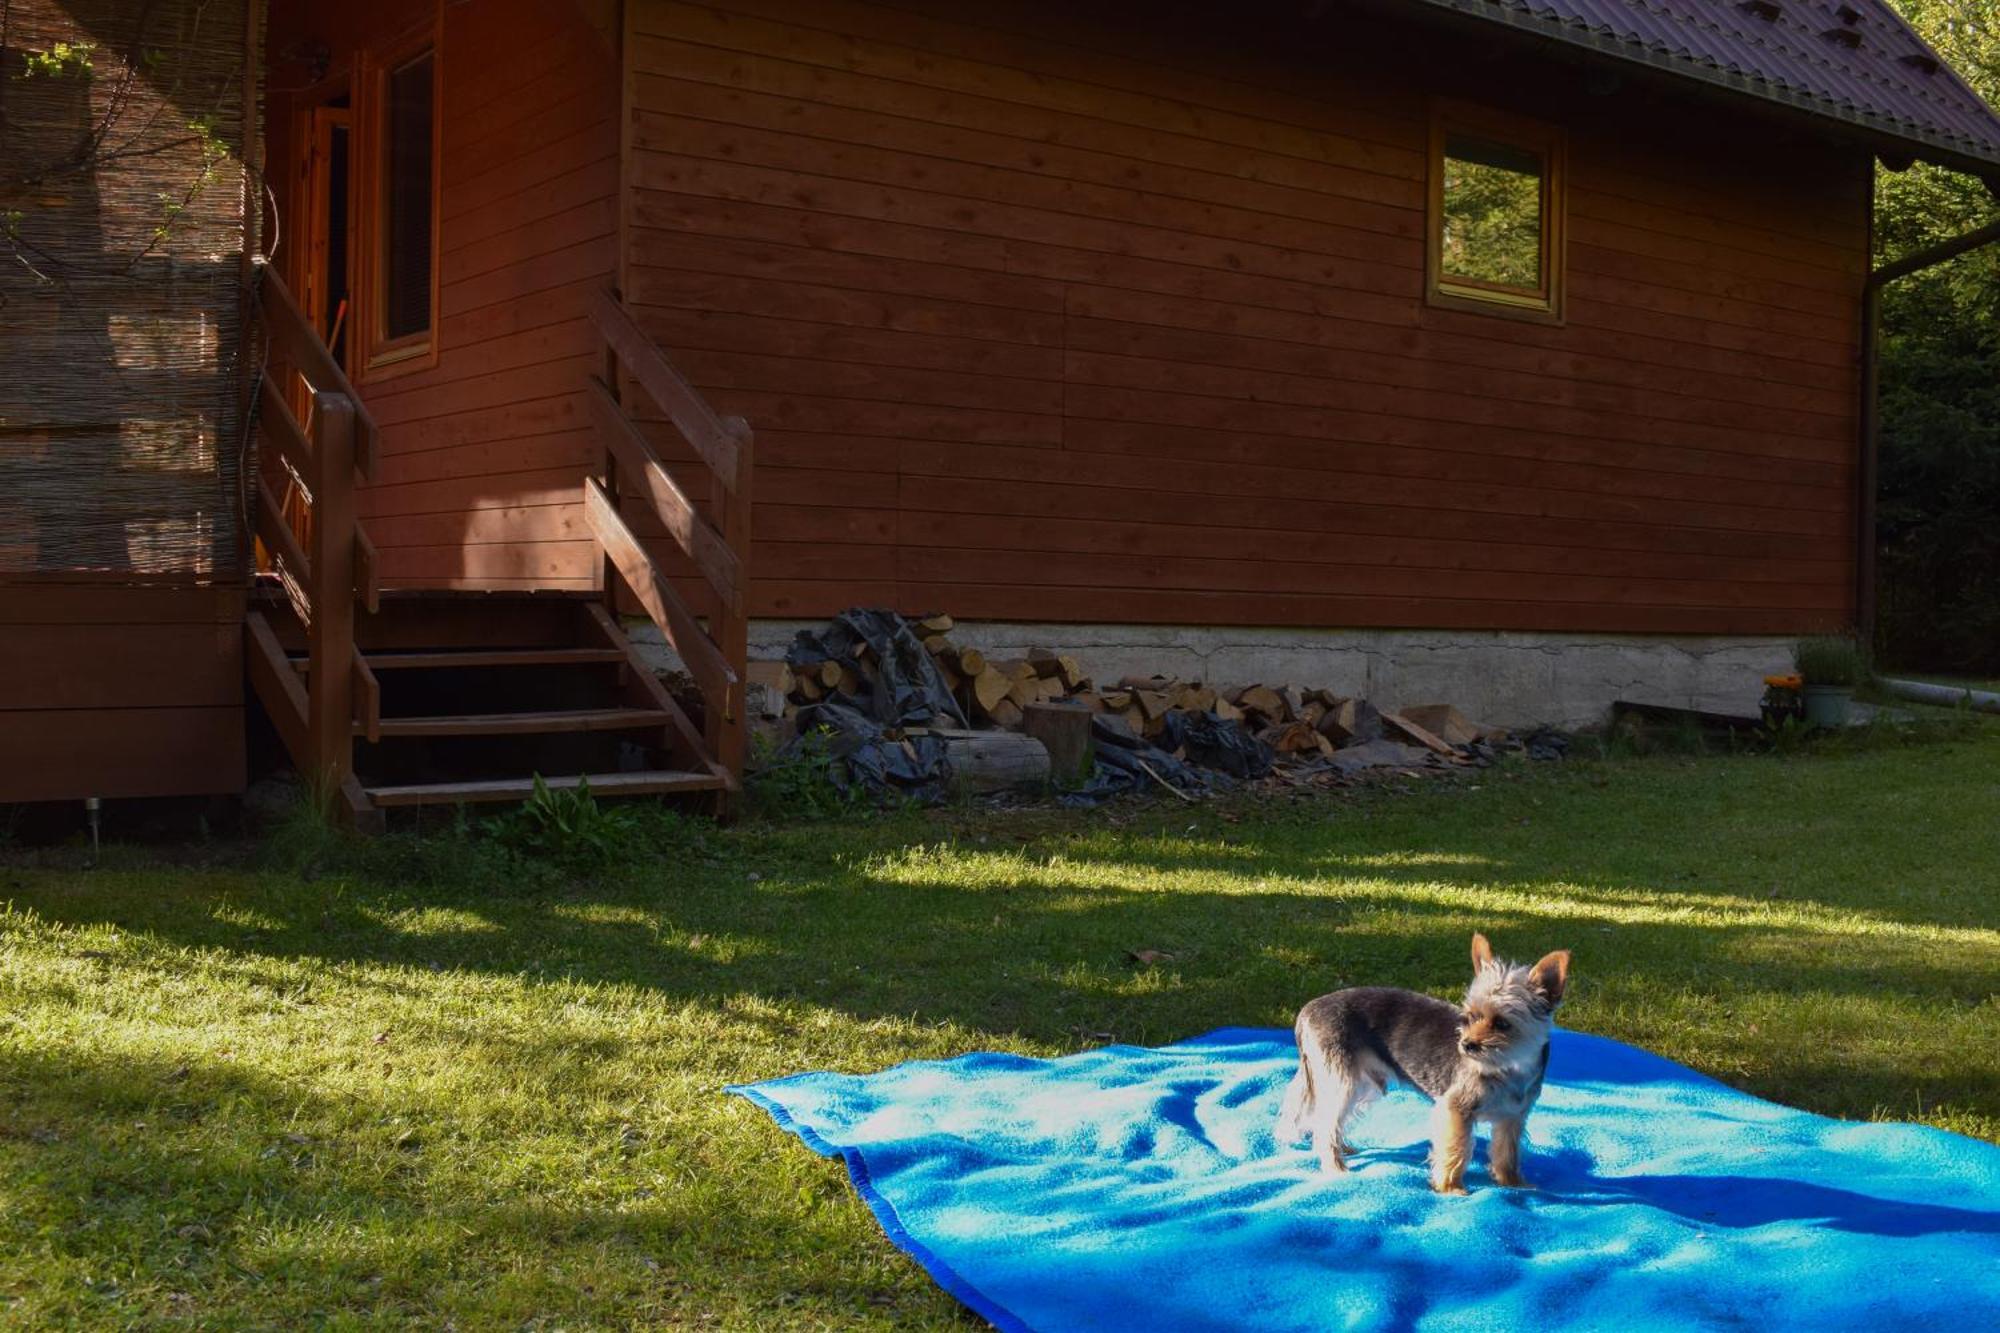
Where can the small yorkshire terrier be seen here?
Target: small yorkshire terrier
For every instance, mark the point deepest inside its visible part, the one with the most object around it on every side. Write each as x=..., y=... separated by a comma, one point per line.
x=1483, y=1061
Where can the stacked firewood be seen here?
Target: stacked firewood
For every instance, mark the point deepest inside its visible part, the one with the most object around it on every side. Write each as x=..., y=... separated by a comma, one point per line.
x=1297, y=724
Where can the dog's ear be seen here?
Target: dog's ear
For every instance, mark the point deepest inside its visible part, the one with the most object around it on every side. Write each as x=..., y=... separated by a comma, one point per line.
x=1482, y=952
x=1551, y=976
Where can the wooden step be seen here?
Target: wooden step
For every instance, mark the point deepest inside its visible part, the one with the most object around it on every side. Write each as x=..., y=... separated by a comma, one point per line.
x=655, y=783
x=524, y=724
x=496, y=657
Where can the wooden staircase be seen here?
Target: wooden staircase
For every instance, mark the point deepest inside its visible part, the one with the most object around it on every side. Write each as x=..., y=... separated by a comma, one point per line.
x=412, y=697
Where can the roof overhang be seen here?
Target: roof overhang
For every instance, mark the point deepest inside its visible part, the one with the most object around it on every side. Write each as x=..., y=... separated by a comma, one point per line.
x=1898, y=139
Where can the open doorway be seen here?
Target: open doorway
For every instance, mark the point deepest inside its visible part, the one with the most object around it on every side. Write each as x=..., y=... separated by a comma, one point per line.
x=327, y=289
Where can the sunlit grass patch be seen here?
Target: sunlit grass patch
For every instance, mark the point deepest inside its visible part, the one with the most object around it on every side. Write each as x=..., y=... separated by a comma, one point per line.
x=246, y=1097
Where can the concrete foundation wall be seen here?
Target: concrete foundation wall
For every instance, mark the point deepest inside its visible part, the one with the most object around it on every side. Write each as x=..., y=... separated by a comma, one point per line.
x=1500, y=678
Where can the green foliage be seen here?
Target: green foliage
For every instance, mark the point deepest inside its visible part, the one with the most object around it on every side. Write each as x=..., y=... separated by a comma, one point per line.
x=235, y=1100
x=64, y=60
x=1939, y=517
x=566, y=827
x=1831, y=659
x=1492, y=214
x=557, y=836
x=799, y=781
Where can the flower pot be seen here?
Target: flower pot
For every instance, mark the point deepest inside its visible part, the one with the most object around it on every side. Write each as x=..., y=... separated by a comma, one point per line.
x=1826, y=705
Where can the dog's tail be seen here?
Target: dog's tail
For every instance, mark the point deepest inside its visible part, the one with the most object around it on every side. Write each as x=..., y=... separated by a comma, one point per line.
x=1296, y=1113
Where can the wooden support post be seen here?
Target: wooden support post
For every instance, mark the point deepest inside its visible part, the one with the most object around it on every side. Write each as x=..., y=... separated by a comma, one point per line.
x=728, y=727
x=330, y=636
x=607, y=573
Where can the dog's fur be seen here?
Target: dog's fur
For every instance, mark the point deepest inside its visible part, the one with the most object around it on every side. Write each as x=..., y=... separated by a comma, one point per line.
x=1483, y=1061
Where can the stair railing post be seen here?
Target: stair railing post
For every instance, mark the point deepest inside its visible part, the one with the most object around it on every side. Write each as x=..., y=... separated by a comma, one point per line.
x=727, y=724
x=330, y=636
x=607, y=575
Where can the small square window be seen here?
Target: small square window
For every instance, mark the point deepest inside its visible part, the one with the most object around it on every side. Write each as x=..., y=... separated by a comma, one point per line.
x=1495, y=216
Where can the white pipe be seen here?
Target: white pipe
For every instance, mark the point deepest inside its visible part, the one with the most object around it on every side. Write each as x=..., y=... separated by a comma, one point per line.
x=1948, y=696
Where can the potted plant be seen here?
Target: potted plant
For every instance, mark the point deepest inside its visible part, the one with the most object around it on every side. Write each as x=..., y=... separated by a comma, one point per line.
x=1784, y=699
x=1831, y=665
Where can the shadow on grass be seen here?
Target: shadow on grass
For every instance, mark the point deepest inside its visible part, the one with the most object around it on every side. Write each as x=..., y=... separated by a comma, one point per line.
x=1039, y=958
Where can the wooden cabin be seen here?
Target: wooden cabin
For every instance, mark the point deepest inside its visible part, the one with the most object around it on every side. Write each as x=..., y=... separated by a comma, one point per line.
x=427, y=348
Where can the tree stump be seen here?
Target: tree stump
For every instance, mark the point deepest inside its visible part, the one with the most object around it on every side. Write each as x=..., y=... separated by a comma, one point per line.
x=1065, y=731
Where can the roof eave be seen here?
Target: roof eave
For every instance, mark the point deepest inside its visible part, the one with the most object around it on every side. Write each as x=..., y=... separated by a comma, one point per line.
x=1883, y=135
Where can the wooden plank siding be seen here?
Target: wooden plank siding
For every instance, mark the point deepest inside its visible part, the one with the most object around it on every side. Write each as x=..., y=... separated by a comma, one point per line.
x=483, y=454
x=113, y=690
x=1115, y=314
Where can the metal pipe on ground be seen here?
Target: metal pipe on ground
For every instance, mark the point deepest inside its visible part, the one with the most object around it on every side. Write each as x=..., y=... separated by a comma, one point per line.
x=1946, y=696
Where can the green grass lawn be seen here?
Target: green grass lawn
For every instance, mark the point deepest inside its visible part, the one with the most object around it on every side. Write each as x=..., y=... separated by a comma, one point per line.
x=233, y=1097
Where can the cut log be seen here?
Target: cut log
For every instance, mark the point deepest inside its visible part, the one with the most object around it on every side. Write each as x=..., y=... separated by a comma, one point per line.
x=1057, y=666
x=828, y=675
x=1264, y=701
x=938, y=624
x=1351, y=722
x=1088, y=699
x=936, y=644
x=1397, y=726
x=970, y=662
x=1006, y=713
x=1227, y=711
x=989, y=689
x=1025, y=690
x=1050, y=689
x=767, y=688
x=989, y=761
x=806, y=689
x=1116, y=701
x=1065, y=732
x=1153, y=704
x=848, y=680
x=1444, y=722
x=773, y=676
x=1291, y=738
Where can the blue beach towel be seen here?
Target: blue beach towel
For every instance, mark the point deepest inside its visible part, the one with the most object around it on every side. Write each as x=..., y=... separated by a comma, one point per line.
x=1128, y=1188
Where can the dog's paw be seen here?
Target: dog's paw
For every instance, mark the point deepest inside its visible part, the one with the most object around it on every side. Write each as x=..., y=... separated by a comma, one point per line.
x=1512, y=1182
x=1440, y=1187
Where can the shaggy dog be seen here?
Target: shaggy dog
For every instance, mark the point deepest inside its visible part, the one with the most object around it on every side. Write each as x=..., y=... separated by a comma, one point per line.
x=1480, y=1061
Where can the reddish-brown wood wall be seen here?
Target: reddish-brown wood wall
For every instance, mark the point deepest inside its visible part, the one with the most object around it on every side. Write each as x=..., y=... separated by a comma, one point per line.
x=1113, y=313
x=483, y=455
x=119, y=691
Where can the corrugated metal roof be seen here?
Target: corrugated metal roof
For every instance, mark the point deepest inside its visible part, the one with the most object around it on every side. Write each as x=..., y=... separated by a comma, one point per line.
x=1851, y=60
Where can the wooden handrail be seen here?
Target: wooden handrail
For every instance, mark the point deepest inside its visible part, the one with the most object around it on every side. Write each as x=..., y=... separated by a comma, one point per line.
x=337, y=443
x=716, y=439
x=705, y=662
x=639, y=468
x=294, y=337
x=715, y=655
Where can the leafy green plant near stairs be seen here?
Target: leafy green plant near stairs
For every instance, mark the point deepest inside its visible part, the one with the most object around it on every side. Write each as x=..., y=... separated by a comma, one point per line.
x=567, y=827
